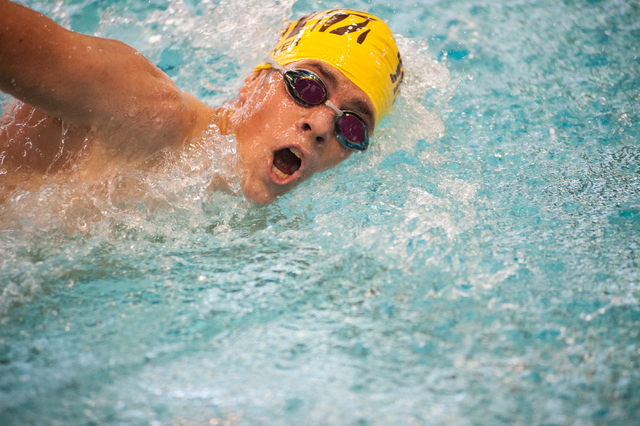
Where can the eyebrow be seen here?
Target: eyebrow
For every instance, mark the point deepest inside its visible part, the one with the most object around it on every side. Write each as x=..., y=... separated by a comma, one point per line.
x=358, y=105
x=325, y=74
x=363, y=108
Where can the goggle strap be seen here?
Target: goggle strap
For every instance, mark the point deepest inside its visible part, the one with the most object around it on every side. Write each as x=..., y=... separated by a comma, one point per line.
x=269, y=60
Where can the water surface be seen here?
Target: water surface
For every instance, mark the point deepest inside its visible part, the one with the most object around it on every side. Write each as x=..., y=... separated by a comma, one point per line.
x=479, y=265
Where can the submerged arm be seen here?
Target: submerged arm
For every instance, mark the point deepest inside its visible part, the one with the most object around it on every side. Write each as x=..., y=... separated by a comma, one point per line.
x=88, y=81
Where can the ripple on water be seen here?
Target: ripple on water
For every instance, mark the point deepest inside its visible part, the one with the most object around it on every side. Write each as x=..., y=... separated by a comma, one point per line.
x=478, y=265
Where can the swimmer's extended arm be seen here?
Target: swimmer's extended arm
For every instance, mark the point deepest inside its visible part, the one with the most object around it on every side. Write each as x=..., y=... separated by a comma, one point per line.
x=99, y=83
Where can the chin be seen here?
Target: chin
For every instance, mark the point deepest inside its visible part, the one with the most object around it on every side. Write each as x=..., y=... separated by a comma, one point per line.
x=258, y=194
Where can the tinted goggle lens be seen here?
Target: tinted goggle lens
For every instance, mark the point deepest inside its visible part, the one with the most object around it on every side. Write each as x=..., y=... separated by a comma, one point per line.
x=308, y=90
x=352, y=128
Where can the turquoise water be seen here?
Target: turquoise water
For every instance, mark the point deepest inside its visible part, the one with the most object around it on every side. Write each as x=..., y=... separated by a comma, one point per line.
x=479, y=266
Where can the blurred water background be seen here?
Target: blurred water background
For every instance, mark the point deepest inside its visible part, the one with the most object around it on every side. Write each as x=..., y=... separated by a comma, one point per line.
x=480, y=265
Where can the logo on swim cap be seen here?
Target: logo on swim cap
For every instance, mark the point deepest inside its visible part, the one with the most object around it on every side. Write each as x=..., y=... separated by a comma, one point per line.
x=358, y=44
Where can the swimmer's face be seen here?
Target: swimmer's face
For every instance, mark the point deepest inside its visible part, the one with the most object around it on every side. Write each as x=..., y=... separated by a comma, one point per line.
x=282, y=143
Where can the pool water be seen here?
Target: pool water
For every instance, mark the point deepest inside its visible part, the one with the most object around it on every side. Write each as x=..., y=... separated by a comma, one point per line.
x=479, y=265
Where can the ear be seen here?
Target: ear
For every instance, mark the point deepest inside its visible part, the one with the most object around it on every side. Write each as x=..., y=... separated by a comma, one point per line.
x=249, y=85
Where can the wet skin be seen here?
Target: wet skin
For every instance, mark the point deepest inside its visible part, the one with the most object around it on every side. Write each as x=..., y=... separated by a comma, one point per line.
x=94, y=105
x=264, y=119
x=267, y=119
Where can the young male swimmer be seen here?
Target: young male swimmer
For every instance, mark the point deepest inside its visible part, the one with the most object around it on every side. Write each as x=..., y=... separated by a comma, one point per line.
x=90, y=103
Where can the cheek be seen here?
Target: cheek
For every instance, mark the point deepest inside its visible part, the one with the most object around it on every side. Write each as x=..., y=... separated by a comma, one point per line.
x=265, y=116
x=255, y=125
x=260, y=102
x=257, y=192
x=344, y=154
x=335, y=157
x=341, y=155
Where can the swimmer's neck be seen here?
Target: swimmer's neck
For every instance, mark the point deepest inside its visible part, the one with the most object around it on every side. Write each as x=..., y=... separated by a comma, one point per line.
x=204, y=117
x=225, y=117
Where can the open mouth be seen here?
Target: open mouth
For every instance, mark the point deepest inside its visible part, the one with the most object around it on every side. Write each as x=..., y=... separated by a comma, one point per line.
x=286, y=161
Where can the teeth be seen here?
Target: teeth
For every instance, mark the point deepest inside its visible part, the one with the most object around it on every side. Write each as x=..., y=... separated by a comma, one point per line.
x=296, y=151
x=278, y=173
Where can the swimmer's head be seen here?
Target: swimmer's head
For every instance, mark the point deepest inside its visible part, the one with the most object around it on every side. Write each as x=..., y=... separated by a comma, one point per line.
x=358, y=44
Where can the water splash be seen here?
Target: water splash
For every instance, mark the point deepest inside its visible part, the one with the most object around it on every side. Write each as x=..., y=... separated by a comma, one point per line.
x=498, y=259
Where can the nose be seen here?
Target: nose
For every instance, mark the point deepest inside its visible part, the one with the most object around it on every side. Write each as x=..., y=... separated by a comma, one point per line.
x=317, y=125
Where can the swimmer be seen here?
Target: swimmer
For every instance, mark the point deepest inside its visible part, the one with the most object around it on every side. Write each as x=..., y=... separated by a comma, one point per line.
x=91, y=104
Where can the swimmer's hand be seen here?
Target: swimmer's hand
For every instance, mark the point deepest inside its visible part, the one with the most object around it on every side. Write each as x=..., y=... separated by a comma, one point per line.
x=102, y=84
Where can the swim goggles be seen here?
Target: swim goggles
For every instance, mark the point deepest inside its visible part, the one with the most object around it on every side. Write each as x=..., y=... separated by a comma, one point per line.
x=308, y=90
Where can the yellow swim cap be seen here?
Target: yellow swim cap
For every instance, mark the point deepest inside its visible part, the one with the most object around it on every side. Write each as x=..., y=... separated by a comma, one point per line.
x=358, y=44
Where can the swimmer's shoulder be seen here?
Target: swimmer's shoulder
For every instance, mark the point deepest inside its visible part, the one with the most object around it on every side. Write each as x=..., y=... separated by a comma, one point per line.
x=127, y=102
x=199, y=118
